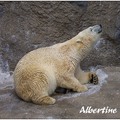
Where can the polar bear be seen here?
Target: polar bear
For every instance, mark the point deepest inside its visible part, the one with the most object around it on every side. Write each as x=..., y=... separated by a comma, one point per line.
x=41, y=71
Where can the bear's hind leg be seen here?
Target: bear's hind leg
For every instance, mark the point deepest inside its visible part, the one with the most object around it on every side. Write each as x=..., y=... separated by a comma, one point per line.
x=44, y=100
x=39, y=89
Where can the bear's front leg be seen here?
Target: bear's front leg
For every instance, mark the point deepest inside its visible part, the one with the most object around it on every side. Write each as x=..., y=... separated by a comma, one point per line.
x=70, y=82
x=86, y=77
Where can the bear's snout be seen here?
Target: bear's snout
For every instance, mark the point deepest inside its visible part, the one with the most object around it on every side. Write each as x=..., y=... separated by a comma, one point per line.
x=97, y=28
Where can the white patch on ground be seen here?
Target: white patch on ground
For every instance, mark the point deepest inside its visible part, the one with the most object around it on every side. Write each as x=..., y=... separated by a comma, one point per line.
x=102, y=76
x=6, y=79
x=99, y=44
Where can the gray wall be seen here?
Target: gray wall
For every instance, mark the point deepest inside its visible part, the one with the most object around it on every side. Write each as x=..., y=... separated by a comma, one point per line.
x=25, y=26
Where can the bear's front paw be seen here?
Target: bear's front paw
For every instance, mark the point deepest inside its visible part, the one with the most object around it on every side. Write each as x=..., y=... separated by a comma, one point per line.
x=81, y=88
x=93, y=78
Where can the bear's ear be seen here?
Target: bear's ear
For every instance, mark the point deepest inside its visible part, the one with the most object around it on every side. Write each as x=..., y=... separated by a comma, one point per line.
x=78, y=41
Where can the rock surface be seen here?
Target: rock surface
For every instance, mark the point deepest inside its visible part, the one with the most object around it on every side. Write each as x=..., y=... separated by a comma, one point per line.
x=25, y=26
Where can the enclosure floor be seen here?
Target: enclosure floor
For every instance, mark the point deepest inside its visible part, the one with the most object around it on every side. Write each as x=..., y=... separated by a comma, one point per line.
x=109, y=95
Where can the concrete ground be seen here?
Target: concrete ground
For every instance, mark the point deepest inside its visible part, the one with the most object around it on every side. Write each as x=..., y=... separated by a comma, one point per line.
x=68, y=105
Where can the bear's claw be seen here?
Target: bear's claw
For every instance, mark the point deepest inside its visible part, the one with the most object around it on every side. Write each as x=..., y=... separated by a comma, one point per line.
x=94, y=79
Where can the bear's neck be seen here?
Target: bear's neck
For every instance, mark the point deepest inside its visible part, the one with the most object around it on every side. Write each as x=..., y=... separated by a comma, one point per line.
x=75, y=53
x=85, y=50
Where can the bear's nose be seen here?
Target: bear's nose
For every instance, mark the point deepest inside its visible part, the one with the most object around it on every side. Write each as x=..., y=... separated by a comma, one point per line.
x=97, y=28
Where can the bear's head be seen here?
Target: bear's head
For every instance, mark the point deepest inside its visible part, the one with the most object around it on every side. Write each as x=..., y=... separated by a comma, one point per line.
x=90, y=34
x=85, y=40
